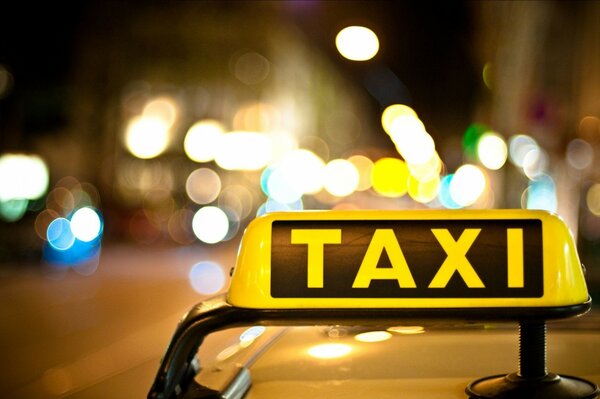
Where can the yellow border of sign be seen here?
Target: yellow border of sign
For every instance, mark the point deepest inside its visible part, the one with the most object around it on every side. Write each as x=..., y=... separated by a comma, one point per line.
x=564, y=283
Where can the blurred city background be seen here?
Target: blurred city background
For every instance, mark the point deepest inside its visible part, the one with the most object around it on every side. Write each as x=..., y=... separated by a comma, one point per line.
x=137, y=140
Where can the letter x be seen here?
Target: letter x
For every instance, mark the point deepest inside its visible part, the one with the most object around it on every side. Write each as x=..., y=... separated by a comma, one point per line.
x=457, y=260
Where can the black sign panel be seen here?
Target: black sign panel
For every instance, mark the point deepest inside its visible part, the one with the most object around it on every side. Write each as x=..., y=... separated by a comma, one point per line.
x=424, y=258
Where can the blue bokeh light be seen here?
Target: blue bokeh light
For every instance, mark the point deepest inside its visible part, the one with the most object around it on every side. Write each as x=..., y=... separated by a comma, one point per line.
x=59, y=234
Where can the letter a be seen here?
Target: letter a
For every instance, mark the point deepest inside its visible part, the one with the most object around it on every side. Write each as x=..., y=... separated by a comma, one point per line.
x=384, y=239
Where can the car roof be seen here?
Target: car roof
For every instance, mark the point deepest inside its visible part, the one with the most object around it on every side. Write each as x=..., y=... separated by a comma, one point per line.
x=440, y=361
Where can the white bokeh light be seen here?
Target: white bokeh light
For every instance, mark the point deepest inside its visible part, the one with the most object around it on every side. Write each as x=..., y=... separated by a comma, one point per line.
x=340, y=177
x=492, y=151
x=147, y=137
x=201, y=140
x=207, y=278
x=244, y=151
x=210, y=224
x=357, y=43
x=22, y=177
x=86, y=224
x=467, y=185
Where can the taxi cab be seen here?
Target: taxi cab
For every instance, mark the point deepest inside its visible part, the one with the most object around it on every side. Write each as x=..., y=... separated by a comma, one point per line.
x=382, y=304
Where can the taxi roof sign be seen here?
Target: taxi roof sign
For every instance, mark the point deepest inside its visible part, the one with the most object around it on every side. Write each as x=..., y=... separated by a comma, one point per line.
x=420, y=260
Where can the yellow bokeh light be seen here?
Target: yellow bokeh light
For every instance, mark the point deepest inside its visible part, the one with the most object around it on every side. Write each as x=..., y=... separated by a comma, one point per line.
x=340, y=177
x=593, y=199
x=256, y=117
x=364, y=166
x=147, y=137
x=163, y=108
x=200, y=143
x=329, y=351
x=423, y=191
x=492, y=150
x=390, y=177
x=357, y=43
x=427, y=170
x=391, y=113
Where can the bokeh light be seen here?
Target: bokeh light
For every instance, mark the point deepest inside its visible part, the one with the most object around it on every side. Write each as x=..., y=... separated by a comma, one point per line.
x=394, y=111
x=540, y=194
x=423, y=191
x=147, y=137
x=13, y=210
x=86, y=224
x=162, y=108
x=256, y=117
x=180, y=227
x=207, y=278
x=364, y=166
x=589, y=128
x=592, y=199
x=444, y=193
x=329, y=351
x=390, y=177
x=272, y=205
x=237, y=198
x=251, y=68
x=158, y=205
x=203, y=186
x=428, y=170
x=340, y=177
x=201, y=140
x=243, y=151
x=467, y=185
x=492, y=150
x=42, y=221
x=535, y=163
x=59, y=234
x=580, y=154
x=210, y=224
x=22, y=177
x=518, y=148
x=471, y=138
x=357, y=43
x=281, y=189
x=488, y=75
x=303, y=170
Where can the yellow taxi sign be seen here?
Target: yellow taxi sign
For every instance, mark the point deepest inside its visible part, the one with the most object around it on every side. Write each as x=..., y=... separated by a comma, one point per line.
x=408, y=260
